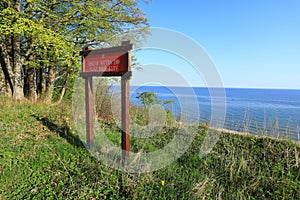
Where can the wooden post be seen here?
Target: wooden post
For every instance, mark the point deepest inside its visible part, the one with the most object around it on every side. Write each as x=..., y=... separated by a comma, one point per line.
x=89, y=111
x=125, y=107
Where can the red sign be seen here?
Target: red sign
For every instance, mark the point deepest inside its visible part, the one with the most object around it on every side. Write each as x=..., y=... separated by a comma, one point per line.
x=105, y=62
x=114, y=61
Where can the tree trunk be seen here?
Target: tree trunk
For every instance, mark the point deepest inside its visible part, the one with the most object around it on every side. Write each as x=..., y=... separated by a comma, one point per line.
x=41, y=81
x=18, y=60
x=31, y=77
x=18, y=83
x=6, y=84
x=63, y=91
x=18, y=80
x=30, y=85
x=3, y=85
x=49, y=85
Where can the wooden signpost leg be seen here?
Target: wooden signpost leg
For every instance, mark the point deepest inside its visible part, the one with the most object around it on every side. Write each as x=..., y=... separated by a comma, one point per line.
x=125, y=105
x=89, y=111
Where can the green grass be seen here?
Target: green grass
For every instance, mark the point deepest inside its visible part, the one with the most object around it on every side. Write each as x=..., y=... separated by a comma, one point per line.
x=41, y=157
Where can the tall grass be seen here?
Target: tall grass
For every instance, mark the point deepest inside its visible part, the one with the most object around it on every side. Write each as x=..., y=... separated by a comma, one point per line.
x=41, y=157
x=266, y=128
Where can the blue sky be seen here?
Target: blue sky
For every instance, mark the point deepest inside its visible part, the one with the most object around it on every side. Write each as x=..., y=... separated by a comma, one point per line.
x=253, y=43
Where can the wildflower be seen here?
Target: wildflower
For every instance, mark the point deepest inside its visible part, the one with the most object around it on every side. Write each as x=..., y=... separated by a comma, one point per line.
x=162, y=182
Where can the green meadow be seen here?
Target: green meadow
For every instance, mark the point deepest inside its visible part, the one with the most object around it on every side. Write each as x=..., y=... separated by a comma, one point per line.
x=42, y=157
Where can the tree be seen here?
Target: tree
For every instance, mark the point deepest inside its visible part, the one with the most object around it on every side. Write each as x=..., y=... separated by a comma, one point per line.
x=40, y=40
x=148, y=98
x=142, y=117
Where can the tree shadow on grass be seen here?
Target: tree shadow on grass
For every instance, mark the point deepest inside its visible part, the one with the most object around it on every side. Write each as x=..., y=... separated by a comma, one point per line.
x=63, y=131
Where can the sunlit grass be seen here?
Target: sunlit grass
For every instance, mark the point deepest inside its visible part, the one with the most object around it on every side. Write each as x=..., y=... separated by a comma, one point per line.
x=41, y=156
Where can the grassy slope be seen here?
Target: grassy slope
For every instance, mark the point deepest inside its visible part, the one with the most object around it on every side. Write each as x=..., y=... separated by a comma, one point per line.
x=41, y=157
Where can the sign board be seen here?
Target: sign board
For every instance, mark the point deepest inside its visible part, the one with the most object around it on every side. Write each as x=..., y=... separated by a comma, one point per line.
x=106, y=62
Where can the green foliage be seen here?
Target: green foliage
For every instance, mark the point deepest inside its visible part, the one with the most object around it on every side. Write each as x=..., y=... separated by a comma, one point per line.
x=148, y=98
x=103, y=99
x=51, y=33
x=42, y=37
x=141, y=115
x=41, y=157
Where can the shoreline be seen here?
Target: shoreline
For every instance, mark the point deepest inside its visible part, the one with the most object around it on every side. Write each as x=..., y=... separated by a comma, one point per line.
x=223, y=130
x=241, y=133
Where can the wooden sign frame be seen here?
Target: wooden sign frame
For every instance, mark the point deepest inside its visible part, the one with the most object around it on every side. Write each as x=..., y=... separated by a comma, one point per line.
x=123, y=52
x=120, y=52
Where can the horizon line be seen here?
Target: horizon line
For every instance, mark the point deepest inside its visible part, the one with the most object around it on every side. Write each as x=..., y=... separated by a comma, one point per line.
x=230, y=87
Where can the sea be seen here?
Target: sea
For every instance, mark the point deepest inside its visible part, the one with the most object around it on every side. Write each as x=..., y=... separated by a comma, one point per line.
x=269, y=112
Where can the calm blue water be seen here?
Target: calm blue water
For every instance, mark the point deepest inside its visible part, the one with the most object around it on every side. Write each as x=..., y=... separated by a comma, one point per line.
x=260, y=111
